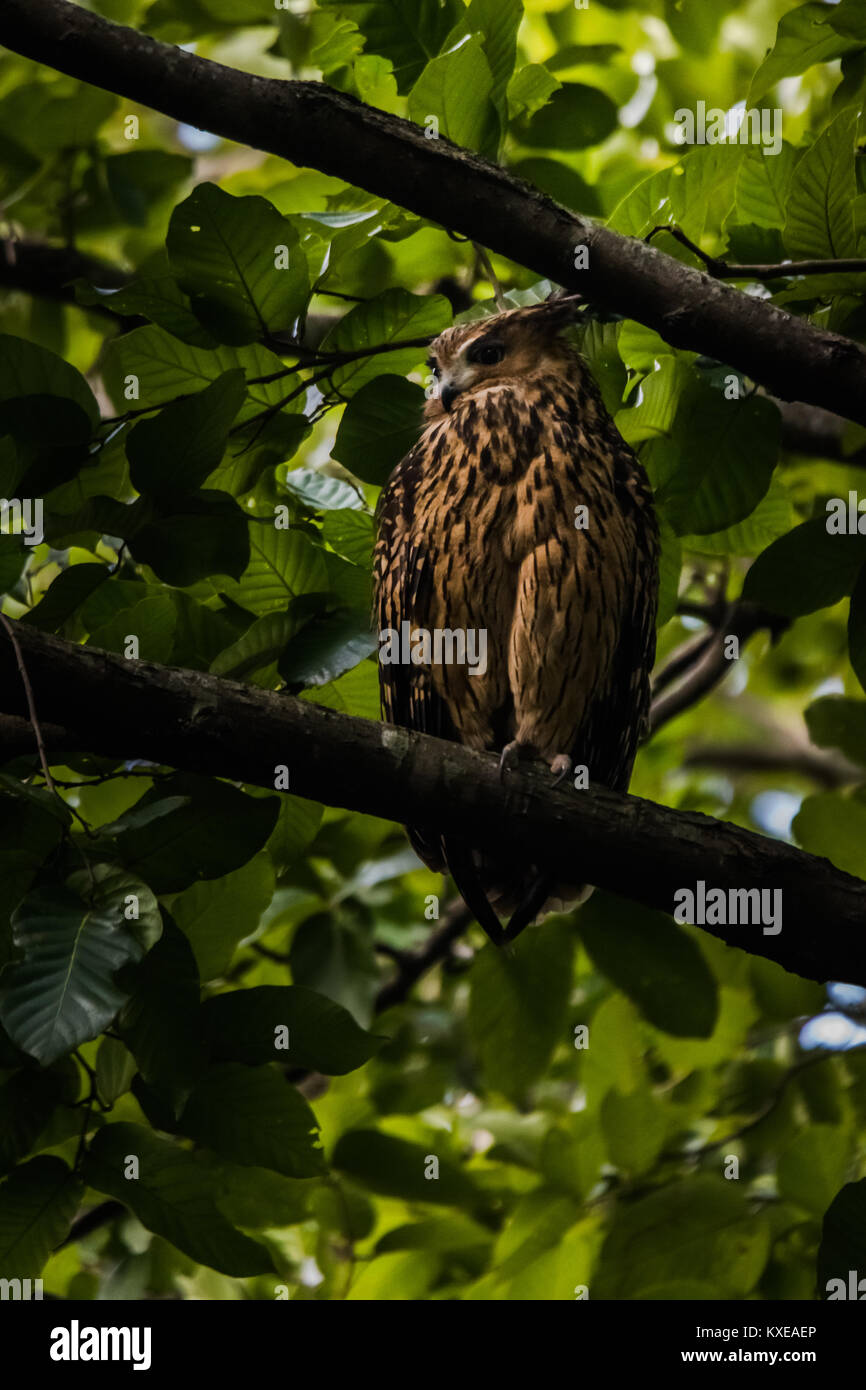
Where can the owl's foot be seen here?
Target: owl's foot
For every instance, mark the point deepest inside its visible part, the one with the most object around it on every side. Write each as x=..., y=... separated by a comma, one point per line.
x=561, y=767
x=512, y=755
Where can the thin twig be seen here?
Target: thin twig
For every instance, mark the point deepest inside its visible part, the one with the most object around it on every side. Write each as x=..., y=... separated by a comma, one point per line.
x=31, y=704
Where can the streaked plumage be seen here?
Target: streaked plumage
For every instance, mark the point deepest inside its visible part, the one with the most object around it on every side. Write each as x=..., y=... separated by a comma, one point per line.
x=477, y=531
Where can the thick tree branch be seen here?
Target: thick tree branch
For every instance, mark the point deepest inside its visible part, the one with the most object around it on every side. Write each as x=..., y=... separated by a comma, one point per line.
x=200, y=723
x=315, y=126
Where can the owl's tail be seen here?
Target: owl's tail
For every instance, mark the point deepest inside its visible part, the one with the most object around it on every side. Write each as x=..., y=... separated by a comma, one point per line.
x=472, y=889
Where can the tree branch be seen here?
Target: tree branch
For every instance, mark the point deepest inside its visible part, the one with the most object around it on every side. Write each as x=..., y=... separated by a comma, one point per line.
x=200, y=723
x=317, y=127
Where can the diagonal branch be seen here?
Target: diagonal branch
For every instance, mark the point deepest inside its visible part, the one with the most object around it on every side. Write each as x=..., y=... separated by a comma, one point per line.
x=200, y=723
x=317, y=127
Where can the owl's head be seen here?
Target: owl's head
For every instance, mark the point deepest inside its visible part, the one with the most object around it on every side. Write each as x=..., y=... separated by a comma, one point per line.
x=498, y=350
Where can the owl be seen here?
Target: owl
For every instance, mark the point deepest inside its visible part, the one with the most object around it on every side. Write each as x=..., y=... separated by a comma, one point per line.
x=516, y=582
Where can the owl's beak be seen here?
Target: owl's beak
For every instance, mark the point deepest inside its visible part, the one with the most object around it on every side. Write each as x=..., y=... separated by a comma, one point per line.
x=448, y=394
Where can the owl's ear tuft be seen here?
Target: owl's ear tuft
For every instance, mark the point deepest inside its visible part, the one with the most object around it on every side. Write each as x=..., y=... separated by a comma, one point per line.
x=557, y=312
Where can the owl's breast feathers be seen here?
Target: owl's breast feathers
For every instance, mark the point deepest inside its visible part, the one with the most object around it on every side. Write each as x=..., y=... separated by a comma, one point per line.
x=523, y=513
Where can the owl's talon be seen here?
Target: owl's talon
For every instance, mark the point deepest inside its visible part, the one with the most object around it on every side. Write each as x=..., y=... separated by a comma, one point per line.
x=512, y=755
x=561, y=768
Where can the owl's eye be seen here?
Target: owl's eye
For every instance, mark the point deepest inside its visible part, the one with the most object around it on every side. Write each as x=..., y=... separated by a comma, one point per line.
x=432, y=366
x=487, y=353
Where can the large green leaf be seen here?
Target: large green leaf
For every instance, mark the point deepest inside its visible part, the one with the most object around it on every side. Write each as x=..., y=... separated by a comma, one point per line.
x=834, y=827
x=575, y=117
x=457, y=89
x=215, y=915
x=837, y=722
x=247, y=1025
x=408, y=32
x=380, y=424
x=37, y=1204
x=397, y=1168
x=161, y=1024
x=518, y=1004
x=813, y=1167
x=652, y=960
x=63, y=991
x=806, y=569
x=252, y=1116
x=192, y=827
x=26, y=369
x=388, y=319
x=804, y=37
x=680, y=1232
x=240, y=262
x=820, y=200
x=175, y=450
x=173, y=1196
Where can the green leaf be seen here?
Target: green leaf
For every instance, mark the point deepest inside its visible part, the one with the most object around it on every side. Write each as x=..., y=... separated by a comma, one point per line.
x=115, y=1069
x=634, y=1129
x=37, y=1204
x=284, y=564
x=843, y=1241
x=247, y=1025
x=175, y=450
x=325, y=648
x=174, y=1196
x=813, y=1167
x=27, y=1101
x=849, y=20
x=834, y=826
x=774, y=516
x=729, y=449
x=29, y=832
x=192, y=827
x=319, y=491
x=837, y=722
x=259, y=646
x=763, y=185
x=517, y=1007
x=805, y=570
x=149, y=367
x=408, y=32
x=497, y=23
x=49, y=118
x=71, y=588
x=252, y=1116
x=457, y=89
x=389, y=319
x=652, y=960
x=679, y=1233
x=240, y=262
x=530, y=88
x=803, y=38
x=29, y=370
x=203, y=533
x=820, y=213
x=161, y=1024
x=352, y=535
x=215, y=916
x=153, y=622
x=575, y=117
x=155, y=295
x=857, y=628
x=380, y=424
x=63, y=991
x=396, y=1168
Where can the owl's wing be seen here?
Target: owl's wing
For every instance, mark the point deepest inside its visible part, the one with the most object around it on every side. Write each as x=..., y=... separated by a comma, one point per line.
x=618, y=720
x=403, y=571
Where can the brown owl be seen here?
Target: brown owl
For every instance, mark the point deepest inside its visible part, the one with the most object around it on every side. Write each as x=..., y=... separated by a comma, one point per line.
x=517, y=583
